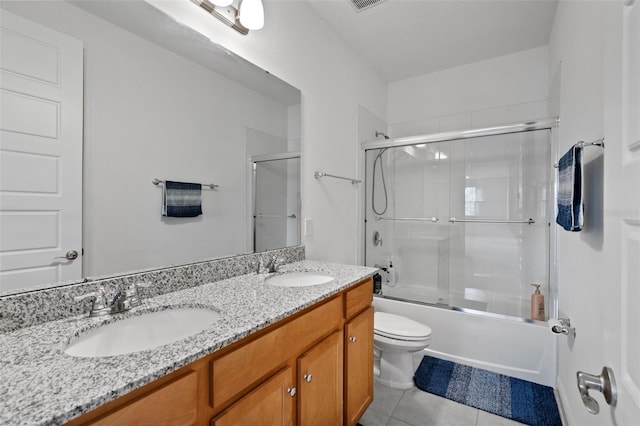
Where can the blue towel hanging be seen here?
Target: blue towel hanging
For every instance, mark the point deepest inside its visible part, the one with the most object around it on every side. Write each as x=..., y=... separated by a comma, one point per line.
x=570, y=205
x=180, y=199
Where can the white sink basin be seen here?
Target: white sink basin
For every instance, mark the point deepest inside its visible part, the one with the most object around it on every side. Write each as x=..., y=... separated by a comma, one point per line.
x=146, y=331
x=298, y=279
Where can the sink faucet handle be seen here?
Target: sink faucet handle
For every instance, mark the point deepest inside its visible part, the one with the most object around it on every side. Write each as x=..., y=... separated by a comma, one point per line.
x=275, y=263
x=133, y=293
x=261, y=268
x=98, y=298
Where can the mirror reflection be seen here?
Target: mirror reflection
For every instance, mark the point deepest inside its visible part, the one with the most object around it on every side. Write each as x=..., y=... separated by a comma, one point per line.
x=101, y=98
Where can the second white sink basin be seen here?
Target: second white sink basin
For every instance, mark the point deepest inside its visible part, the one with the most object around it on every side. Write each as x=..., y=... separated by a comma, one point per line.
x=146, y=331
x=298, y=279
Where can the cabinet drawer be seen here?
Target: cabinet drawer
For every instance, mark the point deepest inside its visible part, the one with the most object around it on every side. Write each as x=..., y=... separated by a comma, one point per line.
x=359, y=298
x=238, y=370
x=175, y=403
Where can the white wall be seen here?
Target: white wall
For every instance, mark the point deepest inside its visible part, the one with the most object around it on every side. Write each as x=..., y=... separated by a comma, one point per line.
x=501, y=90
x=151, y=113
x=586, y=59
x=299, y=47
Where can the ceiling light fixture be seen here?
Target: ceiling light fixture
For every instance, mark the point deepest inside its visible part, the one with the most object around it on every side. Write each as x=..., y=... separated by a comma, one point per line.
x=241, y=15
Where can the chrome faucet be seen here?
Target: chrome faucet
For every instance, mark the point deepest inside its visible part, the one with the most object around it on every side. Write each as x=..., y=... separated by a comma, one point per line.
x=274, y=264
x=261, y=268
x=121, y=301
x=270, y=266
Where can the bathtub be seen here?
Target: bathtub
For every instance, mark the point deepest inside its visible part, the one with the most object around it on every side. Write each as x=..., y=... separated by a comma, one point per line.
x=506, y=346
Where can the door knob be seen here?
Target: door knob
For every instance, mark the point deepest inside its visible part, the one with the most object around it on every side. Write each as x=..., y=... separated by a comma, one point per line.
x=307, y=378
x=70, y=255
x=353, y=339
x=604, y=383
x=292, y=391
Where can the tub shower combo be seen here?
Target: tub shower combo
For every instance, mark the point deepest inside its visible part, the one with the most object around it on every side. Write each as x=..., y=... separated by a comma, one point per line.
x=461, y=223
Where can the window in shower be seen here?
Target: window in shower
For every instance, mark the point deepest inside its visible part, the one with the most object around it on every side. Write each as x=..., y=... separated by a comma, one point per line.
x=454, y=220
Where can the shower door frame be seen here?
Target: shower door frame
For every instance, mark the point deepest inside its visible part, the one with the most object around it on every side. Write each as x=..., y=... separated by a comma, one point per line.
x=253, y=179
x=551, y=124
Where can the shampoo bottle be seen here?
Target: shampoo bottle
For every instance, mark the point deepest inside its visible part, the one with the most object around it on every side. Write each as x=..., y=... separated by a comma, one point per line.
x=537, y=304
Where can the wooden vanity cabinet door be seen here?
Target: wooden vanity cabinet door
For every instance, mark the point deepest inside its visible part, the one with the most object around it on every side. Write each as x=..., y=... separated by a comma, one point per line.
x=358, y=366
x=270, y=404
x=320, y=395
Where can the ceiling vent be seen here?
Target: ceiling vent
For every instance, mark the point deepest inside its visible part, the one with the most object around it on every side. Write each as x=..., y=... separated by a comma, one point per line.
x=365, y=4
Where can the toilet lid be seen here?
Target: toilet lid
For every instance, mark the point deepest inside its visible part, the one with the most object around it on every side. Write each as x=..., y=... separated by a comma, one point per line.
x=391, y=325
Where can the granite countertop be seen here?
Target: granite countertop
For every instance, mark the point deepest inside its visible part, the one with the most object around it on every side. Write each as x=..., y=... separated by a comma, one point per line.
x=40, y=384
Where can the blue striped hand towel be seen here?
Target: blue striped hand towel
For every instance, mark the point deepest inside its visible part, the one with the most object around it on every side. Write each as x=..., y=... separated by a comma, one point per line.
x=180, y=199
x=570, y=205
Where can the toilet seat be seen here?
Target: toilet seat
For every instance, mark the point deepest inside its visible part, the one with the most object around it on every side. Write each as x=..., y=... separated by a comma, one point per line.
x=400, y=328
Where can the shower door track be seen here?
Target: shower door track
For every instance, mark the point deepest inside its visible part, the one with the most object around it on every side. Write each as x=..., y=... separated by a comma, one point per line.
x=465, y=310
x=546, y=123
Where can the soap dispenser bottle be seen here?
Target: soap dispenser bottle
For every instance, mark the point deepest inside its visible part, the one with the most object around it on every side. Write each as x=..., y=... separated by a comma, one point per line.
x=537, y=304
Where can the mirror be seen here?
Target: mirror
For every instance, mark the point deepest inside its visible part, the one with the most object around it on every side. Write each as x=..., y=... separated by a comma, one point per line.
x=157, y=101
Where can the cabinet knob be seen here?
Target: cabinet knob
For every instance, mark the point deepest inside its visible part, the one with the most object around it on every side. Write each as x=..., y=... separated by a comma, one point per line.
x=353, y=339
x=292, y=392
x=307, y=378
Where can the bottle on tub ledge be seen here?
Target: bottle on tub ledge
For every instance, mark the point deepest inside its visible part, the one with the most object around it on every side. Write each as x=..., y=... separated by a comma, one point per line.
x=391, y=273
x=537, y=304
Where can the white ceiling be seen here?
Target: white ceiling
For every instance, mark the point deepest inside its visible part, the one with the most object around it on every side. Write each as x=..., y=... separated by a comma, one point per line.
x=406, y=38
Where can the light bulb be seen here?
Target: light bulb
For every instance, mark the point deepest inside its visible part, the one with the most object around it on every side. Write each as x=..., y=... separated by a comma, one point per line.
x=251, y=14
x=222, y=3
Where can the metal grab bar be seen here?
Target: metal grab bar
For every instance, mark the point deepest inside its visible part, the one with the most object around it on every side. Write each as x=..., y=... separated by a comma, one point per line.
x=454, y=220
x=418, y=219
x=291, y=216
x=318, y=175
x=157, y=182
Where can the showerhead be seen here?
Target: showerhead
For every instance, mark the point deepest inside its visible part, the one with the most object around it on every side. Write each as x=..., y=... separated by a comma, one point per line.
x=381, y=134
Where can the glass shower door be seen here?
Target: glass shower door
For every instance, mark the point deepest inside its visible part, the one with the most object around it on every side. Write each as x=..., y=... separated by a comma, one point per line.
x=276, y=203
x=499, y=231
x=462, y=223
x=407, y=204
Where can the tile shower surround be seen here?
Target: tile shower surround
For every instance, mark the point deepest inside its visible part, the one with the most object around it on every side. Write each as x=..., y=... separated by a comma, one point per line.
x=40, y=306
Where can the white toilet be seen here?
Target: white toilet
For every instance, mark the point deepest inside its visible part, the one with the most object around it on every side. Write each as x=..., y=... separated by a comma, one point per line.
x=396, y=339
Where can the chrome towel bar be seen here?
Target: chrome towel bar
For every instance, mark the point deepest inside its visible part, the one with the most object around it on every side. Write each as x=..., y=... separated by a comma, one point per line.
x=417, y=219
x=157, y=182
x=582, y=144
x=318, y=175
x=454, y=220
x=291, y=216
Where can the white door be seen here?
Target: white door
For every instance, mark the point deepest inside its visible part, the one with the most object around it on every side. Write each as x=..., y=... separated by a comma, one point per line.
x=40, y=154
x=625, y=361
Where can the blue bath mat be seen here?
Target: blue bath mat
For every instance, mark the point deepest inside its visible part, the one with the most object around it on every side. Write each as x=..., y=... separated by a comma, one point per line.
x=515, y=399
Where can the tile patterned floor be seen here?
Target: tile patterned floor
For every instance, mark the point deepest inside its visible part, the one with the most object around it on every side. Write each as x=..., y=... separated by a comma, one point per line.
x=413, y=407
